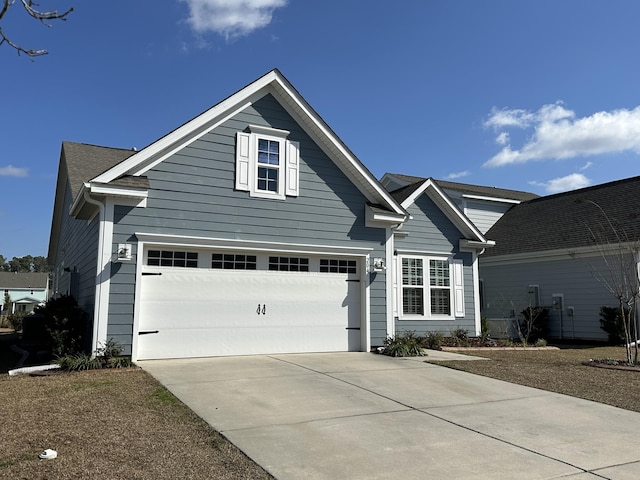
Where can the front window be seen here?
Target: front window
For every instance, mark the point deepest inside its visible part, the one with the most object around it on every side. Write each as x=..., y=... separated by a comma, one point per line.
x=268, y=165
x=426, y=287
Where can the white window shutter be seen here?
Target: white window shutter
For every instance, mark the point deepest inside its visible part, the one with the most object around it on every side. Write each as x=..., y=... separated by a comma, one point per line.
x=458, y=288
x=242, y=161
x=292, y=169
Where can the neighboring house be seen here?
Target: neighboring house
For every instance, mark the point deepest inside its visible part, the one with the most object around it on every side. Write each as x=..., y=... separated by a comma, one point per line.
x=482, y=205
x=25, y=290
x=253, y=229
x=550, y=252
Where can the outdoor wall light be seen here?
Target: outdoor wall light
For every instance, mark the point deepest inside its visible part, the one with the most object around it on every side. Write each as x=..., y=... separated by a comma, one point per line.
x=378, y=265
x=124, y=252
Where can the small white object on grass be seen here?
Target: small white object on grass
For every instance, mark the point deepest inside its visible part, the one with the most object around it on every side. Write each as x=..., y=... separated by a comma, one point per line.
x=48, y=454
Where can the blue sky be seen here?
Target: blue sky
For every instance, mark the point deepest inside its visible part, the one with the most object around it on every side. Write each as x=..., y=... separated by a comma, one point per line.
x=538, y=96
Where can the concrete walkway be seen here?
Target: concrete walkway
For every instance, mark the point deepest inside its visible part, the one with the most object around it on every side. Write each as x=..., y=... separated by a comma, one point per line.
x=365, y=416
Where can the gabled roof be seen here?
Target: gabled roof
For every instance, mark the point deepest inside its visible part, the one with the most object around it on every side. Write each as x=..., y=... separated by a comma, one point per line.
x=79, y=162
x=407, y=196
x=468, y=189
x=22, y=280
x=83, y=162
x=567, y=220
x=278, y=86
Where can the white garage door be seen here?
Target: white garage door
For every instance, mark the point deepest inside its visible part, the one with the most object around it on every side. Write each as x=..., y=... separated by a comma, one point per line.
x=199, y=312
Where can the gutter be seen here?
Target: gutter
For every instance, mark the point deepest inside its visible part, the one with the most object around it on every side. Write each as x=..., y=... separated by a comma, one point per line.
x=99, y=270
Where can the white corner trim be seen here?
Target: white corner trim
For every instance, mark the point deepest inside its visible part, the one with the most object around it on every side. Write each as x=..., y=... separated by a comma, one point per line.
x=103, y=272
x=390, y=281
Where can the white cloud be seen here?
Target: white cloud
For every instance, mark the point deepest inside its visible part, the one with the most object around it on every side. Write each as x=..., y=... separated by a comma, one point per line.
x=455, y=175
x=563, y=184
x=231, y=18
x=11, y=171
x=558, y=135
x=502, y=138
x=586, y=166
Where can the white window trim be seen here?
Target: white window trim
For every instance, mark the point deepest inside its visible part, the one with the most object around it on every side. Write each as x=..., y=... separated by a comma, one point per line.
x=247, y=162
x=427, y=289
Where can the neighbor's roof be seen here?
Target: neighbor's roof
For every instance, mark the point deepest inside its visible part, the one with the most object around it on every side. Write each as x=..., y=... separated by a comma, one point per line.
x=15, y=280
x=468, y=189
x=579, y=218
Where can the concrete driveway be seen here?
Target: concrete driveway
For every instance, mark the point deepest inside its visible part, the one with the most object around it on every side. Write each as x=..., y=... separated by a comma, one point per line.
x=366, y=416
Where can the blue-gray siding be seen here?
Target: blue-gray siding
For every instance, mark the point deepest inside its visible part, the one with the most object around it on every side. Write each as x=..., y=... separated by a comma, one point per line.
x=506, y=292
x=192, y=194
x=430, y=230
x=77, y=251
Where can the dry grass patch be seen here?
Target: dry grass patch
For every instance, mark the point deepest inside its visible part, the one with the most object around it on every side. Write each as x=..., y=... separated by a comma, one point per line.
x=561, y=371
x=109, y=424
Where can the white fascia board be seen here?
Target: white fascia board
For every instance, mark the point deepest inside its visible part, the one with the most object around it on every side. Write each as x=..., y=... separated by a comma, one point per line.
x=465, y=244
x=491, y=199
x=317, y=129
x=382, y=220
x=118, y=191
x=79, y=200
x=449, y=209
x=249, y=245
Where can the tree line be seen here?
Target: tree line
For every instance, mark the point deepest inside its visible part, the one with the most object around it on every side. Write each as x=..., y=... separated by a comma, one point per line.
x=24, y=264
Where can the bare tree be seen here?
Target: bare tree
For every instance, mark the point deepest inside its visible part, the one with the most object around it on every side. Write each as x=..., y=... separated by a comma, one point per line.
x=44, y=17
x=619, y=274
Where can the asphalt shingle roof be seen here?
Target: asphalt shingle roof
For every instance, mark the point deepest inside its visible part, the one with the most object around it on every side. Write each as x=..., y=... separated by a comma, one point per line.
x=10, y=280
x=471, y=189
x=85, y=162
x=578, y=218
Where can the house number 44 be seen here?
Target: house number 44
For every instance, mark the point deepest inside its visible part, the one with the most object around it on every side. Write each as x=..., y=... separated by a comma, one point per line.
x=262, y=309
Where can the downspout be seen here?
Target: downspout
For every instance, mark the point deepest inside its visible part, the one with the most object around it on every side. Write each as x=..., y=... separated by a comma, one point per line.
x=99, y=270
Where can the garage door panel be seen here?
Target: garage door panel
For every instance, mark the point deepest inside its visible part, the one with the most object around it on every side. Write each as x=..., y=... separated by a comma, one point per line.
x=220, y=312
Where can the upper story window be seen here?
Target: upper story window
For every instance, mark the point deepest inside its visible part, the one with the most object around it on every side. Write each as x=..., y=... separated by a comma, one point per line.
x=267, y=164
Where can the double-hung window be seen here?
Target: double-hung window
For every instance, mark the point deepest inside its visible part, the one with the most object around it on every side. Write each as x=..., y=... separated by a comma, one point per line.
x=428, y=289
x=267, y=163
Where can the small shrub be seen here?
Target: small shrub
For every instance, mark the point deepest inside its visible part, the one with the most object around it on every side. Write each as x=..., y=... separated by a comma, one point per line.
x=65, y=323
x=119, y=362
x=108, y=355
x=79, y=361
x=611, y=321
x=406, y=344
x=533, y=325
x=484, y=330
x=460, y=337
x=433, y=341
x=541, y=342
x=15, y=320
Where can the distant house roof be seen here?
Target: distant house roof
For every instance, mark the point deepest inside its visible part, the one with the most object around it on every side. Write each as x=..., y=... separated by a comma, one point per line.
x=579, y=218
x=468, y=189
x=14, y=280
